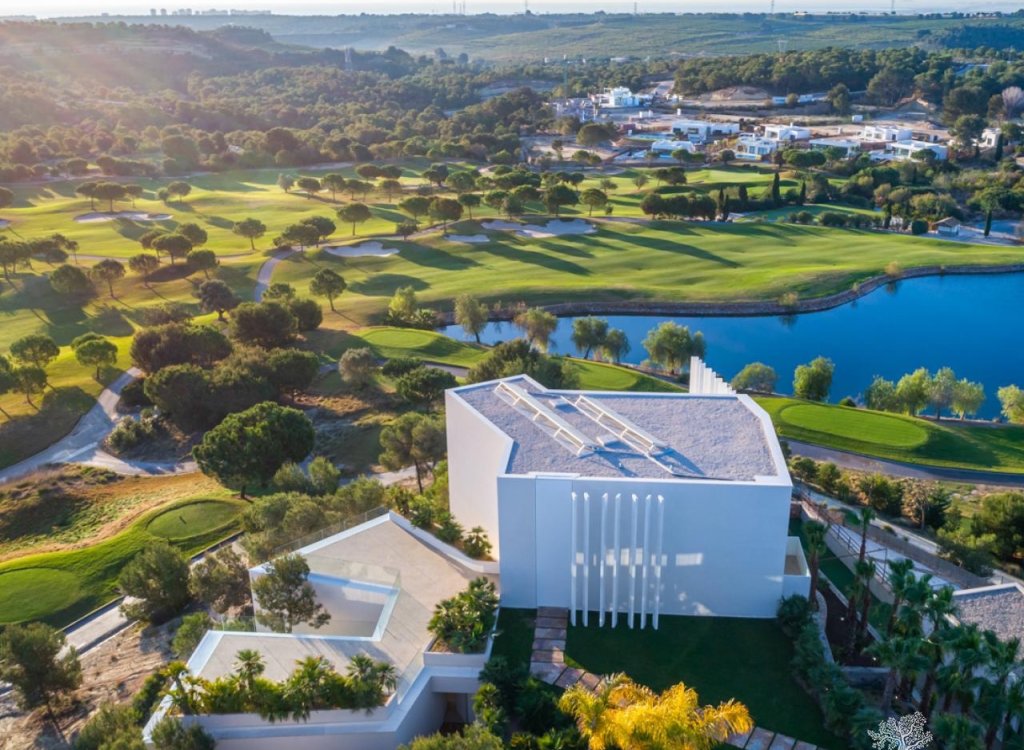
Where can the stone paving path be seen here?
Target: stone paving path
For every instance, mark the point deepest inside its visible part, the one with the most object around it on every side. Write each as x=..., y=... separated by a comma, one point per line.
x=548, y=663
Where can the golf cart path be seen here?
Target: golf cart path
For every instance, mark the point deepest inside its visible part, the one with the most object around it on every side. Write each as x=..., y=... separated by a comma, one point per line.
x=83, y=444
x=266, y=272
x=861, y=462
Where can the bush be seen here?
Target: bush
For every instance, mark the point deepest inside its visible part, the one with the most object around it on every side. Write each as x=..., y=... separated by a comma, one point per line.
x=422, y=513
x=131, y=432
x=832, y=219
x=848, y=401
x=918, y=226
x=148, y=695
x=110, y=724
x=794, y=612
x=291, y=478
x=399, y=366
x=448, y=529
x=464, y=622
x=133, y=395
x=191, y=630
x=476, y=543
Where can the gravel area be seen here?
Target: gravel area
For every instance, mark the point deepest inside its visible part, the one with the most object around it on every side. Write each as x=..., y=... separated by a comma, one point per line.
x=997, y=608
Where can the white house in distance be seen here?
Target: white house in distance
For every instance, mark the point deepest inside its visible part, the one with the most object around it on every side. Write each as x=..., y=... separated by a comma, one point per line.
x=786, y=133
x=754, y=148
x=905, y=150
x=619, y=97
x=626, y=505
x=886, y=133
x=702, y=131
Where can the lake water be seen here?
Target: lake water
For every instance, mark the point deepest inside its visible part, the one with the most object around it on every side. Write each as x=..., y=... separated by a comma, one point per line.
x=974, y=324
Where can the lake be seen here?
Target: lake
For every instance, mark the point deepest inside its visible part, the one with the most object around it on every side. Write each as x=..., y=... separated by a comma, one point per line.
x=974, y=324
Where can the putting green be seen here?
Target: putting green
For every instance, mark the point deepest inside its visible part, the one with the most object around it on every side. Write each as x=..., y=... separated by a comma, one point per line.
x=31, y=593
x=856, y=424
x=186, y=521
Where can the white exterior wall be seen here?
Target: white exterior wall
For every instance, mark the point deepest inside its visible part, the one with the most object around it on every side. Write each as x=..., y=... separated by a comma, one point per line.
x=722, y=545
x=478, y=452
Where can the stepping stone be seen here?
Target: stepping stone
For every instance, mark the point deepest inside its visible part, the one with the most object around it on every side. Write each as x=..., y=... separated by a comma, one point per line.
x=782, y=742
x=801, y=745
x=551, y=622
x=590, y=681
x=760, y=739
x=549, y=644
x=739, y=740
x=549, y=673
x=550, y=633
x=552, y=612
x=549, y=656
x=569, y=677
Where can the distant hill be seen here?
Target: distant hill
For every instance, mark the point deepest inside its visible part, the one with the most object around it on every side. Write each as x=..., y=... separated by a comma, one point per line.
x=597, y=35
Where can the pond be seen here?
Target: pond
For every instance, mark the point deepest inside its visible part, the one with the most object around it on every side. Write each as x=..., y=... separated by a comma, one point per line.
x=974, y=324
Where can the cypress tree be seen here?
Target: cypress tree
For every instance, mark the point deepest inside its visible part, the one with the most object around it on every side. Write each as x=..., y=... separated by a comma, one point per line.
x=776, y=195
x=803, y=193
x=988, y=222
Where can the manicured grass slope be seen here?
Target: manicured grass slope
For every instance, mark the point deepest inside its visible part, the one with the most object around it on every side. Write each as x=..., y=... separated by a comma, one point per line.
x=59, y=587
x=899, y=438
x=720, y=657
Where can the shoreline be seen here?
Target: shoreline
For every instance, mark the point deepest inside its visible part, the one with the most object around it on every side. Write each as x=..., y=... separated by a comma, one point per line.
x=749, y=309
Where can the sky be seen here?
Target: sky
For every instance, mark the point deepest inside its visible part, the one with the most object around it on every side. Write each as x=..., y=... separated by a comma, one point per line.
x=49, y=8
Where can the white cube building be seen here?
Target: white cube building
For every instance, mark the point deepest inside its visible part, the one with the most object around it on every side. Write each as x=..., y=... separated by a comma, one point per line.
x=626, y=506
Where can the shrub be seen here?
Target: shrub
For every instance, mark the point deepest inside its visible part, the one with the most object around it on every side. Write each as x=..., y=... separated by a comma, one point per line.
x=848, y=401
x=507, y=676
x=133, y=395
x=448, y=529
x=422, y=512
x=399, y=366
x=192, y=629
x=131, y=432
x=918, y=226
x=150, y=692
x=832, y=219
x=291, y=478
x=464, y=622
x=476, y=543
x=112, y=724
x=794, y=612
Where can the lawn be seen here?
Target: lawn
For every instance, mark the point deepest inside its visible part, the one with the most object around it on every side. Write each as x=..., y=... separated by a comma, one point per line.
x=59, y=587
x=720, y=657
x=666, y=260
x=514, y=639
x=899, y=438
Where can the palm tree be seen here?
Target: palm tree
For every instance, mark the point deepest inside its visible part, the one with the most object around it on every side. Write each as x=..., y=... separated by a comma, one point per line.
x=957, y=732
x=815, y=533
x=905, y=659
x=901, y=577
x=628, y=716
x=248, y=667
x=1014, y=708
x=991, y=709
x=910, y=620
x=957, y=679
x=183, y=692
x=865, y=574
x=307, y=687
x=864, y=519
x=936, y=646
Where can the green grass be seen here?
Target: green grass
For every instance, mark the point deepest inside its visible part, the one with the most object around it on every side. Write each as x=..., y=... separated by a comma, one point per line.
x=183, y=522
x=672, y=261
x=514, y=641
x=59, y=587
x=899, y=438
x=720, y=657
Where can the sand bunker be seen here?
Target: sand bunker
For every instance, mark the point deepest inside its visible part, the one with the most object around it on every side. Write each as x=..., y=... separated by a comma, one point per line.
x=96, y=216
x=554, y=228
x=470, y=238
x=361, y=250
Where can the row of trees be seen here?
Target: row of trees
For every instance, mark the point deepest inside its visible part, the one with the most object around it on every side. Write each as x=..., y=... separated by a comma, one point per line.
x=920, y=389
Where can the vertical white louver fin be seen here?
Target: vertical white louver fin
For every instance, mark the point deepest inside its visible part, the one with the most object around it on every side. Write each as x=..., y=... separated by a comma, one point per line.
x=705, y=382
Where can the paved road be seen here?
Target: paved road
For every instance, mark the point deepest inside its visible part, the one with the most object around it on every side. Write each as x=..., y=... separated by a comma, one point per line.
x=860, y=462
x=266, y=272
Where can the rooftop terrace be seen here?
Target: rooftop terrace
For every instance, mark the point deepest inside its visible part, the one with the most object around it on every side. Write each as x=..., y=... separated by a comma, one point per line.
x=628, y=435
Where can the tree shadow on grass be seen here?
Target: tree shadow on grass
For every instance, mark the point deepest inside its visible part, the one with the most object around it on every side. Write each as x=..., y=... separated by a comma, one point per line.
x=433, y=257
x=58, y=412
x=520, y=255
x=385, y=284
x=681, y=248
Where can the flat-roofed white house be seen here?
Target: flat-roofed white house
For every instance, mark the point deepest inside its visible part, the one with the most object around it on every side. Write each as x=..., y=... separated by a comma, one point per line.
x=754, y=148
x=380, y=582
x=905, y=150
x=704, y=130
x=885, y=133
x=626, y=505
x=787, y=133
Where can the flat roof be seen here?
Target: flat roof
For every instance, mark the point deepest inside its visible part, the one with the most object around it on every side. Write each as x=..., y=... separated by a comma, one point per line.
x=999, y=608
x=655, y=436
x=382, y=553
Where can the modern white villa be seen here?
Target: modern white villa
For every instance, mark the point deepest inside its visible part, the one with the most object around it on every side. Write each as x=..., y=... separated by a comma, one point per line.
x=380, y=582
x=626, y=506
x=619, y=507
